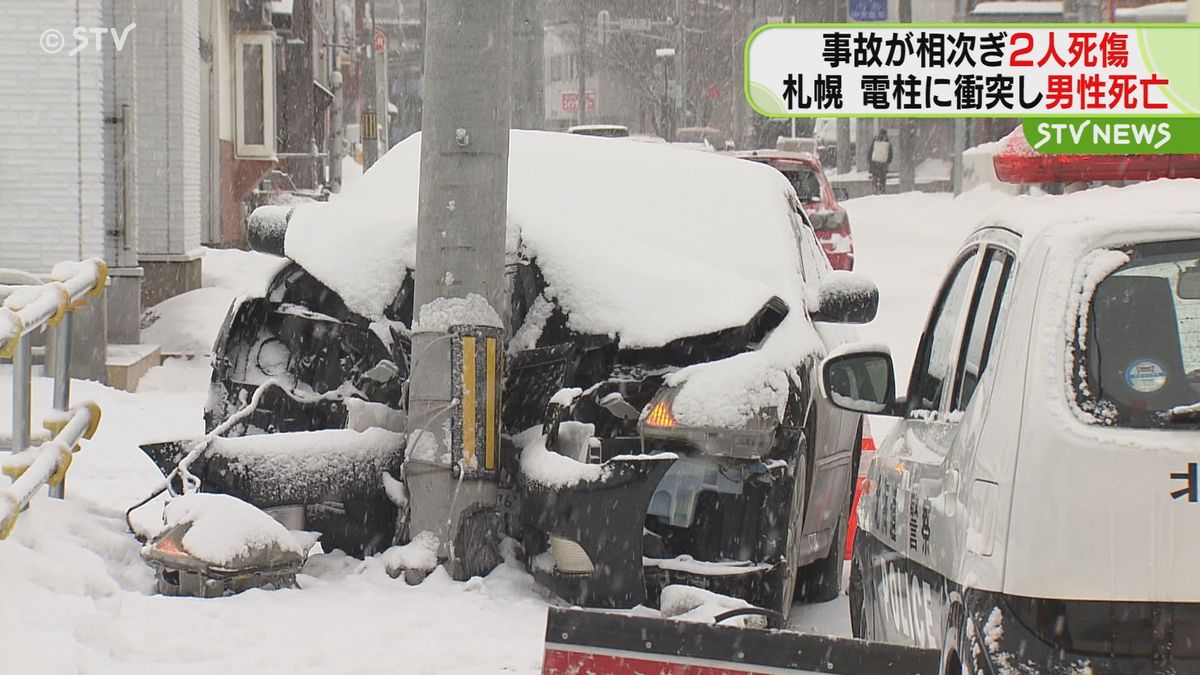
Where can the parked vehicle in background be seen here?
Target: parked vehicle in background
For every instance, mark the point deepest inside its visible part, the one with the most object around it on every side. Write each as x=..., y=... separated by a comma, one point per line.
x=829, y=219
x=1035, y=508
x=715, y=138
x=602, y=130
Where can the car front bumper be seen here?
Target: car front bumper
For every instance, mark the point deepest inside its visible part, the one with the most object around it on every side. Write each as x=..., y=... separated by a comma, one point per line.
x=1013, y=634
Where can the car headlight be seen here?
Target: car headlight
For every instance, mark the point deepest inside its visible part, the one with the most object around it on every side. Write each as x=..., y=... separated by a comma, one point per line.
x=753, y=440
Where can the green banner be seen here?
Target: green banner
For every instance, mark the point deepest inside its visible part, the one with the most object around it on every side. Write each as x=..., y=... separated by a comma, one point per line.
x=1113, y=135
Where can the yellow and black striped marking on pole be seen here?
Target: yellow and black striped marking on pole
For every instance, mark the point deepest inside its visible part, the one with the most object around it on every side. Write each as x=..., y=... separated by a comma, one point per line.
x=477, y=367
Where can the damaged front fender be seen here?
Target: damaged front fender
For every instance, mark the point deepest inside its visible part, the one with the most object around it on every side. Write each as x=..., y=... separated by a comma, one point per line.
x=604, y=517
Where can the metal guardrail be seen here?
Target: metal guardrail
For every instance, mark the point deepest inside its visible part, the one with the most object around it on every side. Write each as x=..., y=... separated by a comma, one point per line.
x=25, y=310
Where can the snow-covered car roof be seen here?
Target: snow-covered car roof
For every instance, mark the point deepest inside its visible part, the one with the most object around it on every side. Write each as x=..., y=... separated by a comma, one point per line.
x=1089, y=214
x=642, y=241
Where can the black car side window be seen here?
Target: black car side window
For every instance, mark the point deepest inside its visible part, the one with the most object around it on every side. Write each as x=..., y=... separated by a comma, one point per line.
x=936, y=356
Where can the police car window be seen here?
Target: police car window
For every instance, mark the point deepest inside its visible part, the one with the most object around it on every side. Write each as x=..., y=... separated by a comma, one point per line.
x=983, y=324
x=935, y=360
x=1139, y=365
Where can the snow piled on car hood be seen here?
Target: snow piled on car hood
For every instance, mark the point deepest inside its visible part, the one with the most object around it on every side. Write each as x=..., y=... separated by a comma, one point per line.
x=645, y=242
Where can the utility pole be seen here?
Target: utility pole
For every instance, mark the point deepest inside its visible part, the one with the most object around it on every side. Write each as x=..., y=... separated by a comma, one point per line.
x=527, y=70
x=337, y=146
x=904, y=144
x=960, y=124
x=369, y=129
x=581, y=65
x=460, y=252
x=740, y=31
x=844, y=156
x=297, y=103
x=681, y=116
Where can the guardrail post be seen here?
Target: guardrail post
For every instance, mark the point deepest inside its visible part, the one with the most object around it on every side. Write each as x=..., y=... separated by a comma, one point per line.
x=22, y=364
x=62, y=381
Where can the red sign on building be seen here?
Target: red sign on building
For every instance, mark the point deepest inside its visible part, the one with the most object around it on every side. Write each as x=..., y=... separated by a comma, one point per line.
x=380, y=41
x=570, y=101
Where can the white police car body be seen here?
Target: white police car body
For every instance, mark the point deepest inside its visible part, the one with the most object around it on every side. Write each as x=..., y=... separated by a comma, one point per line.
x=1036, y=508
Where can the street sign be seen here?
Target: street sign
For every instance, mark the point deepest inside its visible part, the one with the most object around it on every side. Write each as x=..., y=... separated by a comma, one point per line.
x=380, y=41
x=570, y=101
x=868, y=10
x=714, y=91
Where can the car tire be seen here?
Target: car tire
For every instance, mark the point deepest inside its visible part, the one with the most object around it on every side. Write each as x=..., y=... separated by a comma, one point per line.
x=950, y=661
x=821, y=581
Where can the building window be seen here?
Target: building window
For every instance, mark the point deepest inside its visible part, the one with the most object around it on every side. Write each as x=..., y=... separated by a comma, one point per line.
x=254, y=72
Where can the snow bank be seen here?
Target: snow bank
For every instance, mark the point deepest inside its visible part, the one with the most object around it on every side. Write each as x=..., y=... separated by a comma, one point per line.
x=646, y=242
x=226, y=530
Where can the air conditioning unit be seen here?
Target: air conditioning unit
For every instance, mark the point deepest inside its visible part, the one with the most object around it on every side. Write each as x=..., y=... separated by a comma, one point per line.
x=250, y=15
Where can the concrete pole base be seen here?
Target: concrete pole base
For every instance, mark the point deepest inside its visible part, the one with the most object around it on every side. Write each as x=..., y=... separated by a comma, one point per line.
x=462, y=513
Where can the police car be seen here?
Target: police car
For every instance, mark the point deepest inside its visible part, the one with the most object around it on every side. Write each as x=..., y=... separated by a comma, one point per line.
x=1037, y=506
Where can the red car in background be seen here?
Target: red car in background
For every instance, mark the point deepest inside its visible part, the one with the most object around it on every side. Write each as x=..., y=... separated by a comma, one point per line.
x=828, y=218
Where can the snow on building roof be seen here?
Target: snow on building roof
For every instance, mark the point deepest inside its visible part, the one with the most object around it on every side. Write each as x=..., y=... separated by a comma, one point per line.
x=647, y=242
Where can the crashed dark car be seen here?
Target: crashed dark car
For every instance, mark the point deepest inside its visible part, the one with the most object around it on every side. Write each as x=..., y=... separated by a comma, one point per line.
x=688, y=309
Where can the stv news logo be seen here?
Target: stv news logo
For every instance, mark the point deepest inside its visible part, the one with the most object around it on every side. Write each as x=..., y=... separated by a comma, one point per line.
x=53, y=41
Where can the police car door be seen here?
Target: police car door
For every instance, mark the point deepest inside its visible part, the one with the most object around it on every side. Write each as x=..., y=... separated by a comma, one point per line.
x=922, y=488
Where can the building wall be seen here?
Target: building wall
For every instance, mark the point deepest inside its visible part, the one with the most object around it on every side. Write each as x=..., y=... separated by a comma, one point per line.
x=169, y=133
x=52, y=167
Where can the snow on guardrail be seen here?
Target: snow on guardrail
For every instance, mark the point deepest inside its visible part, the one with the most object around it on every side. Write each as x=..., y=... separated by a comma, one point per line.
x=45, y=464
x=27, y=308
x=24, y=310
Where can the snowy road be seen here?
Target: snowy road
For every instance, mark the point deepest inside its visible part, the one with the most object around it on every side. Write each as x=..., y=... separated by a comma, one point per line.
x=75, y=597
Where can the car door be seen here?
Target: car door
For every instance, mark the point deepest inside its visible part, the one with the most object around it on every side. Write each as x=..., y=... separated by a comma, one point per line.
x=924, y=514
x=833, y=451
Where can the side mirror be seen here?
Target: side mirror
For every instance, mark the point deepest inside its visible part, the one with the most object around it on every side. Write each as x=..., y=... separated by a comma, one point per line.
x=860, y=378
x=846, y=297
x=841, y=194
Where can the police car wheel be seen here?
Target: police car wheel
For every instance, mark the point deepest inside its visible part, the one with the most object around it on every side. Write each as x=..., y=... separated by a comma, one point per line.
x=858, y=610
x=950, y=662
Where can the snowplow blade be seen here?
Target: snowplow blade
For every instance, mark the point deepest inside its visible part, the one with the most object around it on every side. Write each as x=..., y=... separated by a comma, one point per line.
x=590, y=641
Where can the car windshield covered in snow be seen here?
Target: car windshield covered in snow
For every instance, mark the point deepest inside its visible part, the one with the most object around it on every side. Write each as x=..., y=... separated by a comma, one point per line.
x=1139, y=365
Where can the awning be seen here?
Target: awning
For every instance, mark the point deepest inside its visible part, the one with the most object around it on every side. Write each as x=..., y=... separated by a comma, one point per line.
x=1017, y=162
